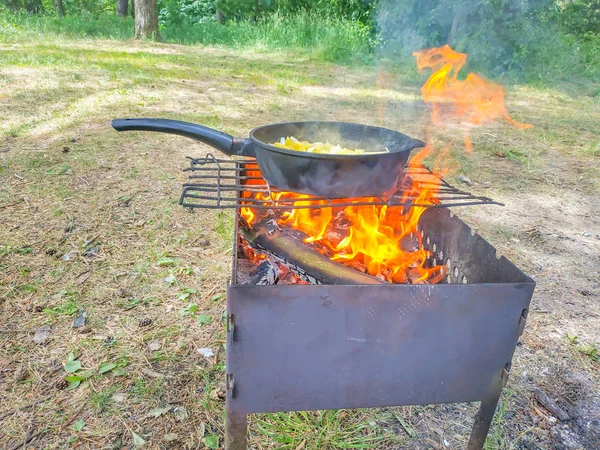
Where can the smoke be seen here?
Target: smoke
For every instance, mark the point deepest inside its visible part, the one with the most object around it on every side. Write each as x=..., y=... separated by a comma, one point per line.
x=500, y=36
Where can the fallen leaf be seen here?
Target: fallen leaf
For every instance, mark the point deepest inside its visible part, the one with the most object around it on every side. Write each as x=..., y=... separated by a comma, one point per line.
x=72, y=366
x=138, y=441
x=154, y=345
x=59, y=295
x=170, y=437
x=106, y=367
x=78, y=425
x=69, y=256
x=119, y=397
x=218, y=296
x=117, y=443
x=212, y=441
x=203, y=320
x=159, y=411
x=464, y=179
x=41, y=334
x=206, y=352
x=166, y=261
x=181, y=413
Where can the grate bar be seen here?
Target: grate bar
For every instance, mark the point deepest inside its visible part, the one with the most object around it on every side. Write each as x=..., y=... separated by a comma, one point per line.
x=216, y=184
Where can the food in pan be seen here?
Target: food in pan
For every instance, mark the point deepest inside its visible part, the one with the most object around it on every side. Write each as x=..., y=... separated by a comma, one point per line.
x=291, y=143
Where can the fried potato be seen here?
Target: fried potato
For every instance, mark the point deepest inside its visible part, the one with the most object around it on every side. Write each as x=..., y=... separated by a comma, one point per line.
x=291, y=143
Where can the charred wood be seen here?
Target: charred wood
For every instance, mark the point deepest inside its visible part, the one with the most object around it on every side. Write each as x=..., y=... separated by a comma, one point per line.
x=550, y=405
x=305, y=262
x=266, y=274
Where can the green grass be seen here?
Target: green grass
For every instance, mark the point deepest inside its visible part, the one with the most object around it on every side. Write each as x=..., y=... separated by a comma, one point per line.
x=147, y=390
x=326, y=38
x=313, y=430
x=101, y=400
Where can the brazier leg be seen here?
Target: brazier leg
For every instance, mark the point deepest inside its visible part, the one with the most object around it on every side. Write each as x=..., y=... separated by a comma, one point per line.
x=483, y=420
x=236, y=430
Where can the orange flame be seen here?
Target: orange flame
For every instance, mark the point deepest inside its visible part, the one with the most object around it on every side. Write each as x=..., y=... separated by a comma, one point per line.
x=384, y=240
x=473, y=101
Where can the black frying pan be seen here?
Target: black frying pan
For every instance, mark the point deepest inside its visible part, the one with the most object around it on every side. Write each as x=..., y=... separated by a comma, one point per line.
x=326, y=175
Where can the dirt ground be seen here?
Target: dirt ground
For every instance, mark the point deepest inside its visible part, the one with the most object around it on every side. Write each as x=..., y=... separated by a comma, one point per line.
x=91, y=234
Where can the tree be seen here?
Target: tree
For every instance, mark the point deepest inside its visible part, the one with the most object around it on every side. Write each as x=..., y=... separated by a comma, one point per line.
x=146, y=20
x=122, y=8
x=132, y=9
x=60, y=9
x=219, y=16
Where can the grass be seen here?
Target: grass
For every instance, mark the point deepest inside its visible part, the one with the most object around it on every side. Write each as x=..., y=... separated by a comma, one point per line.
x=66, y=177
x=320, y=429
x=326, y=38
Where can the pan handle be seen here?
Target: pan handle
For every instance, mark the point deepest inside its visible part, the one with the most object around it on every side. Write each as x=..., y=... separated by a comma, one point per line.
x=217, y=139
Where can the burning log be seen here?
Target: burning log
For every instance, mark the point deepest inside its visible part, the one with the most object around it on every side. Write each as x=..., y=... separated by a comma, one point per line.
x=306, y=263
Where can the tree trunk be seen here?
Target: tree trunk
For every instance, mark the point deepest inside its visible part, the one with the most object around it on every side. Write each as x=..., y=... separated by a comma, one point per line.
x=60, y=9
x=122, y=8
x=220, y=16
x=132, y=9
x=146, y=20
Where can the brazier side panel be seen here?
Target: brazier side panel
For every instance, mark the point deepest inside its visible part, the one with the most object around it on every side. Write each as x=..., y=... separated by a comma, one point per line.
x=330, y=347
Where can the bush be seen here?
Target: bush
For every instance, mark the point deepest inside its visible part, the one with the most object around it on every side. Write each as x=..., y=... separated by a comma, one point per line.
x=581, y=18
x=185, y=12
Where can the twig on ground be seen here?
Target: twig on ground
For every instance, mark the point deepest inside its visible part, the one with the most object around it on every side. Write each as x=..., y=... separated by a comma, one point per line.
x=550, y=405
x=11, y=204
x=89, y=241
x=28, y=405
x=28, y=439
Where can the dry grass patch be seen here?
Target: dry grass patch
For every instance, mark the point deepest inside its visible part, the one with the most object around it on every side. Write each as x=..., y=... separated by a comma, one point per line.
x=89, y=223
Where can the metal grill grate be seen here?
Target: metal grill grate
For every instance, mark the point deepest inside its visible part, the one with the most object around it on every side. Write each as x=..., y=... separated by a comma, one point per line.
x=236, y=183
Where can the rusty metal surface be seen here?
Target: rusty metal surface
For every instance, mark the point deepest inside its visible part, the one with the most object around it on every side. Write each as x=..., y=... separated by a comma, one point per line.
x=483, y=421
x=466, y=254
x=236, y=427
x=329, y=347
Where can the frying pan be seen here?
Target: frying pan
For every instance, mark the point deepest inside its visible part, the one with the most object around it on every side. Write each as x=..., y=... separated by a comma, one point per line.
x=328, y=175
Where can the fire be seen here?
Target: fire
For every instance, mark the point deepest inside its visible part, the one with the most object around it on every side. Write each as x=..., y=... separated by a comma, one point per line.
x=384, y=240
x=472, y=101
